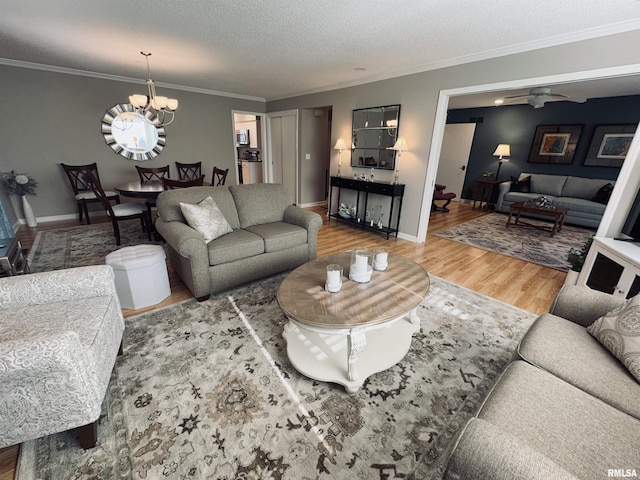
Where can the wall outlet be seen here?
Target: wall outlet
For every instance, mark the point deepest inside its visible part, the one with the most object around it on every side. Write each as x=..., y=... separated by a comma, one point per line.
x=307, y=156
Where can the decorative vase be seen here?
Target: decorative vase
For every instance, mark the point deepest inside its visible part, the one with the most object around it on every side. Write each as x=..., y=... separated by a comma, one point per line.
x=28, y=212
x=571, y=278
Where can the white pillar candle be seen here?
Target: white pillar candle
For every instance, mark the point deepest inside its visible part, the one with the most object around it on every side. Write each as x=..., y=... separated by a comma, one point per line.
x=333, y=277
x=381, y=258
x=361, y=264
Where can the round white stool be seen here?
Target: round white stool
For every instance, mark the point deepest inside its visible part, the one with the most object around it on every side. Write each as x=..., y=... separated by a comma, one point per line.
x=140, y=275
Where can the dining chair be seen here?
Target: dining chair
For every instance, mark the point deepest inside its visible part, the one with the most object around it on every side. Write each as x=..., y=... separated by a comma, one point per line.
x=152, y=175
x=219, y=176
x=170, y=184
x=83, y=193
x=118, y=212
x=189, y=171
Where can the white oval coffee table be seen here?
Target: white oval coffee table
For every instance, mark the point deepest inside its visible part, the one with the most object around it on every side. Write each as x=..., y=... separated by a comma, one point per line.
x=365, y=328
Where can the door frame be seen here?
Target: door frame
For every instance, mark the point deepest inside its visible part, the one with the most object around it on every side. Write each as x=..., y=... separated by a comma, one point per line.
x=269, y=166
x=441, y=120
x=265, y=147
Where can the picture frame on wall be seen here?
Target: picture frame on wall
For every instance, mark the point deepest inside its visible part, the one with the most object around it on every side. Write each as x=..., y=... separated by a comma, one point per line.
x=609, y=145
x=555, y=144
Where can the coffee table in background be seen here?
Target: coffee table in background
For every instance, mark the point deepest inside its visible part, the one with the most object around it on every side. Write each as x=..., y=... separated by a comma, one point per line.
x=557, y=214
x=346, y=337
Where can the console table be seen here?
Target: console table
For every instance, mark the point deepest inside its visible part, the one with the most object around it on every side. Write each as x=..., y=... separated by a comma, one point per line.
x=395, y=191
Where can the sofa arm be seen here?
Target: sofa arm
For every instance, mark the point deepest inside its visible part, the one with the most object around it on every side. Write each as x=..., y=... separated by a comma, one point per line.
x=184, y=240
x=485, y=451
x=57, y=286
x=503, y=189
x=310, y=221
x=582, y=305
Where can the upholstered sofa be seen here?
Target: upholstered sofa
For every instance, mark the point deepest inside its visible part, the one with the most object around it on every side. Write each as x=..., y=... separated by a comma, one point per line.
x=574, y=193
x=60, y=333
x=269, y=235
x=565, y=408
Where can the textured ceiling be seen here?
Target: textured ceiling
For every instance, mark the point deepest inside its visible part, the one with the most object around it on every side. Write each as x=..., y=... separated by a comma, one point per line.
x=277, y=48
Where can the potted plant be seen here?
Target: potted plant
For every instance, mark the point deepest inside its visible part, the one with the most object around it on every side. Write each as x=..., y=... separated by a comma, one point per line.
x=576, y=258
x=22, y=185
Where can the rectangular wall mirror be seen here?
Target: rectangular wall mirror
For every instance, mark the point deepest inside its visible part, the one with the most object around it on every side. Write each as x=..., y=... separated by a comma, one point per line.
x=375, y=131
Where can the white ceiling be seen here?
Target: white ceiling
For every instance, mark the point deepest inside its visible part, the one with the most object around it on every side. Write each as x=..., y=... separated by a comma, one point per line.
x=271, y=49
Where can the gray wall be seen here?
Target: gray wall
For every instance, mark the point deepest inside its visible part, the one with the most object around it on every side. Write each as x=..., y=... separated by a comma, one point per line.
x=52, y=118
x=418, y=96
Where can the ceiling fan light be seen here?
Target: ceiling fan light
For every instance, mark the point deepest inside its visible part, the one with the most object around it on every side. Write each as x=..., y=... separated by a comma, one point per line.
x=536, y=102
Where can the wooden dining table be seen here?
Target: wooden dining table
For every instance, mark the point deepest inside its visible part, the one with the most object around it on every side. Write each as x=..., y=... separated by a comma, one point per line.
x=140, y=190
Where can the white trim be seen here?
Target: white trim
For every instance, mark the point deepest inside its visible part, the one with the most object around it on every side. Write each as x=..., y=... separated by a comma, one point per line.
x=441, y=120
x=118, y=78
x=321, y=203
x=411, y=238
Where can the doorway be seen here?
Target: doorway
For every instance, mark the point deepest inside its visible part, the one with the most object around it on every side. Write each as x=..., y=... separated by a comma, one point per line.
x=248, y=131
x=441, y=120
x=282, y=131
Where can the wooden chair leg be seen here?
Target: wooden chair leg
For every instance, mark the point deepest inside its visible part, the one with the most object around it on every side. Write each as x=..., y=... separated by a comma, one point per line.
x=116, y=232
x=87, y=435
x=86, y=212
x=79, y=211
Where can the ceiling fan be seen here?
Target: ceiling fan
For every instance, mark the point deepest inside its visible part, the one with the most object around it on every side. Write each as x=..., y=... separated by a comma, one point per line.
x=538, y=96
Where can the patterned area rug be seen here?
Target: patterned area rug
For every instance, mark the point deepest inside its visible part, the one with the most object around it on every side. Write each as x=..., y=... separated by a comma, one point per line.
x=205, y=390
x=526, y=243
x=82, y=245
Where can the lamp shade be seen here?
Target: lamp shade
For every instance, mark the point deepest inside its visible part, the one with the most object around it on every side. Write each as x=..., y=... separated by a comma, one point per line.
x=340, y=145
x=400, y=145
x=502, y=150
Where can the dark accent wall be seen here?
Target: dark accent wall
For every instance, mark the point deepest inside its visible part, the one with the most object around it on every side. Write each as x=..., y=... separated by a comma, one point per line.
x=516, y=125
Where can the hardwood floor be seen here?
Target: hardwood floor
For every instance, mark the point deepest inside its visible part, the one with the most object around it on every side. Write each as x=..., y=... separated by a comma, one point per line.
x=516, y=282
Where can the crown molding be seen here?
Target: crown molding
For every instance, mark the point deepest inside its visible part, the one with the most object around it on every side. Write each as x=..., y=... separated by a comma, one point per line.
x=118, y=78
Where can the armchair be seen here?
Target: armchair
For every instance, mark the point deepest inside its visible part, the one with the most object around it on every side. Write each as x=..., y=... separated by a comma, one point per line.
x=60, y=332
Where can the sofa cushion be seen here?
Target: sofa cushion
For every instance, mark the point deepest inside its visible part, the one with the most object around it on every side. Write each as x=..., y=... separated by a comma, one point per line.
x=577, y=431
x=619, y=332
x=547, y=184
x=523, y=197
x=279, y=235
x=234, y=246
x=206, y=218
x=579, y=187
x=580, y=205
x=566, y=350
x=168, y=203
x=260, y=203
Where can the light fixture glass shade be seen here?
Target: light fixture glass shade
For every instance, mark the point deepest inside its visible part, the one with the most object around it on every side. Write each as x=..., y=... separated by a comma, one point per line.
x=502, y=150
x=172, y=104
x=400, y=145
x=340, y=145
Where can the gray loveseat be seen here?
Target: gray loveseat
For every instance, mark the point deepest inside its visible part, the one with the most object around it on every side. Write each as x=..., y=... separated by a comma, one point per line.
x=270, y=235
x=574, y=193
x=565, y=408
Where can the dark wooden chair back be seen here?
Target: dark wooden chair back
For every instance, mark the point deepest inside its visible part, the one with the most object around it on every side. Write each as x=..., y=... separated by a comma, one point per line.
x=170, y=184
x=93, y=183
x=75, y=175
x=153, y=174
x=189, y=171
x=219, y=176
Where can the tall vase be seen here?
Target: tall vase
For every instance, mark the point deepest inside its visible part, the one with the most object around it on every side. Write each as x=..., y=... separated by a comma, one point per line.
x=28, y=212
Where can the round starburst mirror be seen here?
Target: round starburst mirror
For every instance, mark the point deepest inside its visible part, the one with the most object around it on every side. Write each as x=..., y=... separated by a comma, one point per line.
x=135, y=136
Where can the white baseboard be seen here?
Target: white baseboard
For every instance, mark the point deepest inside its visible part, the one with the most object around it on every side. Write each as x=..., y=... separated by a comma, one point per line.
x=322, y=203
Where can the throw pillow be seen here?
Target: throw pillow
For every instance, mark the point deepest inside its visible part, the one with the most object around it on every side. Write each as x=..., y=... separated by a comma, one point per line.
x=206, y=218
x=603, y=195
x=523, y=185
x=619, y=332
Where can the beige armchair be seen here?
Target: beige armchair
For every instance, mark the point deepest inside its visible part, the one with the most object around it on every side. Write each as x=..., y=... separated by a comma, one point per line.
x=60, y=333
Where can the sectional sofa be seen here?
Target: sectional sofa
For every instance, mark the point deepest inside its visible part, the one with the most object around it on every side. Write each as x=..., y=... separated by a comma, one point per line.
x=565, y=408
x=582, y=196
x=267, y=234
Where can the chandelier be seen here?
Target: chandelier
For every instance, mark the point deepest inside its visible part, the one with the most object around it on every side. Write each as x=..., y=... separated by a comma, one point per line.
x=164, y=108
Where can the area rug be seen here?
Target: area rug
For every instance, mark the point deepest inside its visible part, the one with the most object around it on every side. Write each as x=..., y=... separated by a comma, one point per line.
x=489, y=232
x=206, y=391
x=82, y=245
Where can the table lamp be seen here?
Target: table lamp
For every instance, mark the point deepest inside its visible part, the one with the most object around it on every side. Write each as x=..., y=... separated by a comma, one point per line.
x=400, y=146
x=340, y=145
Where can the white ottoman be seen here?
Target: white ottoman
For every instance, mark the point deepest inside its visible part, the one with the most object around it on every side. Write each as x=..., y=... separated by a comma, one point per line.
x=140, y=275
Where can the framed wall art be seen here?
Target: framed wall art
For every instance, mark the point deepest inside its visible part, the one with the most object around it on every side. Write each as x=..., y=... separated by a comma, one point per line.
x=609, y=145
x=554, y=144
